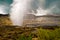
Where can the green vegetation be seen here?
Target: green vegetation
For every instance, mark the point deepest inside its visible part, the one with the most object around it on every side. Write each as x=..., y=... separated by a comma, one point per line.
x=12, y=33
x=45, y=34
x=23, y=37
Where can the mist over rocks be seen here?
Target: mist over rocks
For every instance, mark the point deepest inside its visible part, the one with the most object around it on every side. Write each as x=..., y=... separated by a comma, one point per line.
x=43, y=21
x=20, y=9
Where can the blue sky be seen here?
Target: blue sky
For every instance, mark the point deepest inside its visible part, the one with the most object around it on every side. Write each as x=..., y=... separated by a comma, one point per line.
x=7, y=3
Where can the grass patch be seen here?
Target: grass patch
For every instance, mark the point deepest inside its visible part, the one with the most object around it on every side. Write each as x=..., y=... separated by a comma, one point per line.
x=45, y=34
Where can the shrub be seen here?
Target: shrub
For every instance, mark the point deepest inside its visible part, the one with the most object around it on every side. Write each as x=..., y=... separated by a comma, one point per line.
x=23, y=37
x=44, y=34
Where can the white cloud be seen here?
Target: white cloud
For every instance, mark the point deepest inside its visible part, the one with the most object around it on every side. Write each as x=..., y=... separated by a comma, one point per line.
x=4, y=8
